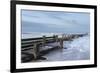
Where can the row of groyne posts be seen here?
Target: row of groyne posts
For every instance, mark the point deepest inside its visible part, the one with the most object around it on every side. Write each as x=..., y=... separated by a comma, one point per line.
x=36, y=45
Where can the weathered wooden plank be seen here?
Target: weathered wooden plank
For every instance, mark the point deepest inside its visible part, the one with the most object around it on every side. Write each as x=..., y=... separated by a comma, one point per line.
x=27, y=39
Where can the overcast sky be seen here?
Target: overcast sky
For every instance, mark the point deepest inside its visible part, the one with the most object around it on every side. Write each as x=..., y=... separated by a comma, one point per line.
x=55, y=22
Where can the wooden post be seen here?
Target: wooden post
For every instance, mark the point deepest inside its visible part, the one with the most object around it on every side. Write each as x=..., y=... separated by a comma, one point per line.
x=61, y=44
x=63, y=36
x=61, y=41
x=44, y=40
x=35, y=50
x=56, y=38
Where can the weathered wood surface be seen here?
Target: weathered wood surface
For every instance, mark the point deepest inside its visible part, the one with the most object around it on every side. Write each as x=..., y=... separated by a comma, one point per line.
x=38, y=45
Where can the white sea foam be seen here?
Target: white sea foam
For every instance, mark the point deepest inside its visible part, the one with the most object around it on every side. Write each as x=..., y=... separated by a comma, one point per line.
x=78, y=49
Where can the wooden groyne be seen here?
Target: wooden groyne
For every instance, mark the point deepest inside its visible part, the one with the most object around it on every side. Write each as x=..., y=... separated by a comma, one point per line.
x=38, y=45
